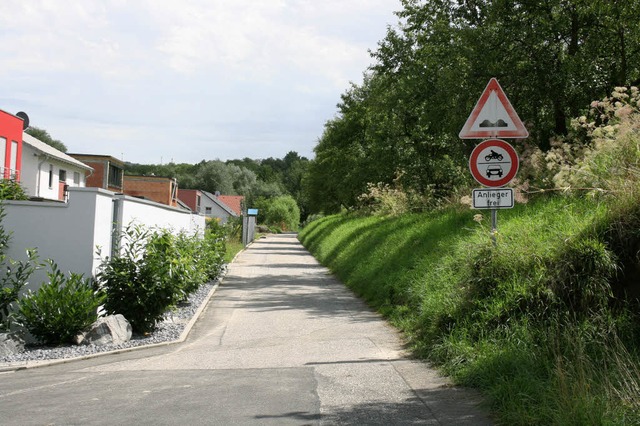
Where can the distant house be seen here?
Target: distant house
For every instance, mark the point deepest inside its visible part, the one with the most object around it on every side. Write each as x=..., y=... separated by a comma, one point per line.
x=46, y=172
x=162, y=190
x=206, y=203
x=108, y=172
x=192, y=198
x=233, y=201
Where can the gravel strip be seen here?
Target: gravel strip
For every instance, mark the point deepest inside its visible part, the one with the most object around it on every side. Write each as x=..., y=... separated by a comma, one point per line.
x=169, y=330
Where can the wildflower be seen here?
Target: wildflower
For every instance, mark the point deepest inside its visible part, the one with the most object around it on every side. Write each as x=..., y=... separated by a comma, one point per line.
x=478, y=218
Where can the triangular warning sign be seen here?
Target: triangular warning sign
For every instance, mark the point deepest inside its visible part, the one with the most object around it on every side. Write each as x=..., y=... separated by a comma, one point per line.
x=493, y=117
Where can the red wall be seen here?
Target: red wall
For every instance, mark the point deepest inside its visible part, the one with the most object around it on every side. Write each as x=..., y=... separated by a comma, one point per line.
x=11, y=130
x=189, y=197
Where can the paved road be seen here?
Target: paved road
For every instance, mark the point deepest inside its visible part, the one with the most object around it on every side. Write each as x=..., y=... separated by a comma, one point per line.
x=281, y=342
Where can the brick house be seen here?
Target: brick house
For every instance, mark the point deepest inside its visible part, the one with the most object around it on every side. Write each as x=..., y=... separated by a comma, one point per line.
x=206, y=203
x=162, y=190
x=108, y=172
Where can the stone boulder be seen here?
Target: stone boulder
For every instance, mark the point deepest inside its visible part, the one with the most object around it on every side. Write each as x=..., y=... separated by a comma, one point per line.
x=112, y=329
x=10, y=344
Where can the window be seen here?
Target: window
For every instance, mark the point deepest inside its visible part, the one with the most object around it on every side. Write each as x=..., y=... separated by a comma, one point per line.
x=3, y=151
x=50, y=175
x=76, y=178
x=62, y=175
x=115, y=176
x=207, y=210
x=198, y=203
x=14, y=157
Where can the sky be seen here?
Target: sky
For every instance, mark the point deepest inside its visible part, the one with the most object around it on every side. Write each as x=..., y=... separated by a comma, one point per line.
x=155, y=81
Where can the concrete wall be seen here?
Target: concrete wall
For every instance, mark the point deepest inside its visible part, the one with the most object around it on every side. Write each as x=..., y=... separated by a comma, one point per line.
x=155, y=215
x=70, y=233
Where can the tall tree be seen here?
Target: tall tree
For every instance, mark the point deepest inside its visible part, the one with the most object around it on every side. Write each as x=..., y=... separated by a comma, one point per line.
x=44, y=136
x=552, y=57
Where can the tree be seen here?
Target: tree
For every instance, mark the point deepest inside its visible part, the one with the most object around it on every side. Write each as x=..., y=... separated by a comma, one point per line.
x=401, y=124
x=214, y=176
x=281, y=211
x=44, y=136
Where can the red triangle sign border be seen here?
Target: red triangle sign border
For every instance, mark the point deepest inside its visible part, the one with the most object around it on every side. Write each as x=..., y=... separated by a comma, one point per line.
x=519, y=132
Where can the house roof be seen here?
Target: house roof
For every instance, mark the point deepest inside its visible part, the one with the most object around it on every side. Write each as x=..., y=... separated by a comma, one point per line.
x=97, y=157
x=51, y=152
x=233, y=201
x=222, y=205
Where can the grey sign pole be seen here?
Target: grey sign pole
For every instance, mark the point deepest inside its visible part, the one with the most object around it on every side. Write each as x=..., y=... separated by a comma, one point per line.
x=494, y=226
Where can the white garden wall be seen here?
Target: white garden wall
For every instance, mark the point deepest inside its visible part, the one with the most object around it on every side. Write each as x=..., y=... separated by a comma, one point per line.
x=154, y=215
x=69, y=233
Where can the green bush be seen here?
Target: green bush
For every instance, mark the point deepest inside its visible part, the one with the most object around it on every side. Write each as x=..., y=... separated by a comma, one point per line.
x=139, y=282
x=282, y=212
x=155, y=270
x=61, y=308
x=13, y=277
x=211, y=250
x=12, y=190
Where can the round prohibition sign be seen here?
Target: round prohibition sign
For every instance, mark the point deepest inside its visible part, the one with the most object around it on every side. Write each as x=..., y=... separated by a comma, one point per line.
x=494, y=163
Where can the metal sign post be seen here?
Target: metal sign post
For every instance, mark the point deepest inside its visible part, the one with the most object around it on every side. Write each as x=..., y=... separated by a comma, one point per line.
x=493, y=162
x=494, y=226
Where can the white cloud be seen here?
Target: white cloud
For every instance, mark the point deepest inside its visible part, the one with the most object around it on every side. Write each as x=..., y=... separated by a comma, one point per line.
x=243, y=73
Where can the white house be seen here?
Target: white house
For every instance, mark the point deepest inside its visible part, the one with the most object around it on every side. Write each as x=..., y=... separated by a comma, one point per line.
x=206, y=203
x=46, y=172
x=212, y=207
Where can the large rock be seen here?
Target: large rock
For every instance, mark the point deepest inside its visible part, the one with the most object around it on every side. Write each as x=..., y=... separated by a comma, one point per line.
x=113, y=329
x=10, y=344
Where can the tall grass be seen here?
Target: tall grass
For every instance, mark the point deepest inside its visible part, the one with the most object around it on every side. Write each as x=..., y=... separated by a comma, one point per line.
x=532, y=322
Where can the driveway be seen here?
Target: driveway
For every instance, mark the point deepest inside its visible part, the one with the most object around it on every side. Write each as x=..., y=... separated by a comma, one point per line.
x=281, y=342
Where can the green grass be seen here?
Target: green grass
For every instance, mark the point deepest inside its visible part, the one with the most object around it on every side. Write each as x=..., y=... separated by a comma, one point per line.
x=531, y=322
x=233, y=247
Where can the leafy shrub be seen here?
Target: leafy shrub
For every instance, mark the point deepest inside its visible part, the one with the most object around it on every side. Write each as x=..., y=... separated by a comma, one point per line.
x=12, y=190
x=15, y=275
x=397, y=198
x=61, y=308
x=311, y=218
x=599, y=155
x=139, y=282
x=156, y=270
x=233, y=229
x=282, y=212
x=383, y=199
x=211, y=250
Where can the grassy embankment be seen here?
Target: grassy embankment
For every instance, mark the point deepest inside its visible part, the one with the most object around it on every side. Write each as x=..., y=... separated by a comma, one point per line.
x=533, y=322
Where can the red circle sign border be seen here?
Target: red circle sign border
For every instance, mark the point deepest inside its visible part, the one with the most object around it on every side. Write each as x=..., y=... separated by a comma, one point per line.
x=515, y=163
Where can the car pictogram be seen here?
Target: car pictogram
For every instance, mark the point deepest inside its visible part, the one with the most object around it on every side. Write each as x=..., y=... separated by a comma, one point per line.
x=494, y=170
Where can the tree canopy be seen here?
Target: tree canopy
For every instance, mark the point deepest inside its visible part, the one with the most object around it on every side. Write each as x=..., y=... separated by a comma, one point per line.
x=400, y=125
x=44, y=136
x=253, y=179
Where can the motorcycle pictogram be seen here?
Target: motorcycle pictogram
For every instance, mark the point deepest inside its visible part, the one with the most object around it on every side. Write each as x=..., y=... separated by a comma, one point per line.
x=493, y=156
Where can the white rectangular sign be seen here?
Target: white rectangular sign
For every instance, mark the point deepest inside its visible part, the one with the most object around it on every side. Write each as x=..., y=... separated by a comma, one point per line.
x=494, y=198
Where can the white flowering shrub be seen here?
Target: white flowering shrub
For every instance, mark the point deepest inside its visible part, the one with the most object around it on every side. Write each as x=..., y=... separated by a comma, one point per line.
x=601, y=153
x=383, y=199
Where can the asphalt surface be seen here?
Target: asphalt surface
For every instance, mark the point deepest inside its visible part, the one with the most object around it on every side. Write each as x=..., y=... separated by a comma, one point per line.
x=281, y=342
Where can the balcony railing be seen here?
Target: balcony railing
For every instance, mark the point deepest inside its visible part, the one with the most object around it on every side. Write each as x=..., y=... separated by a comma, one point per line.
x=11, y=174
